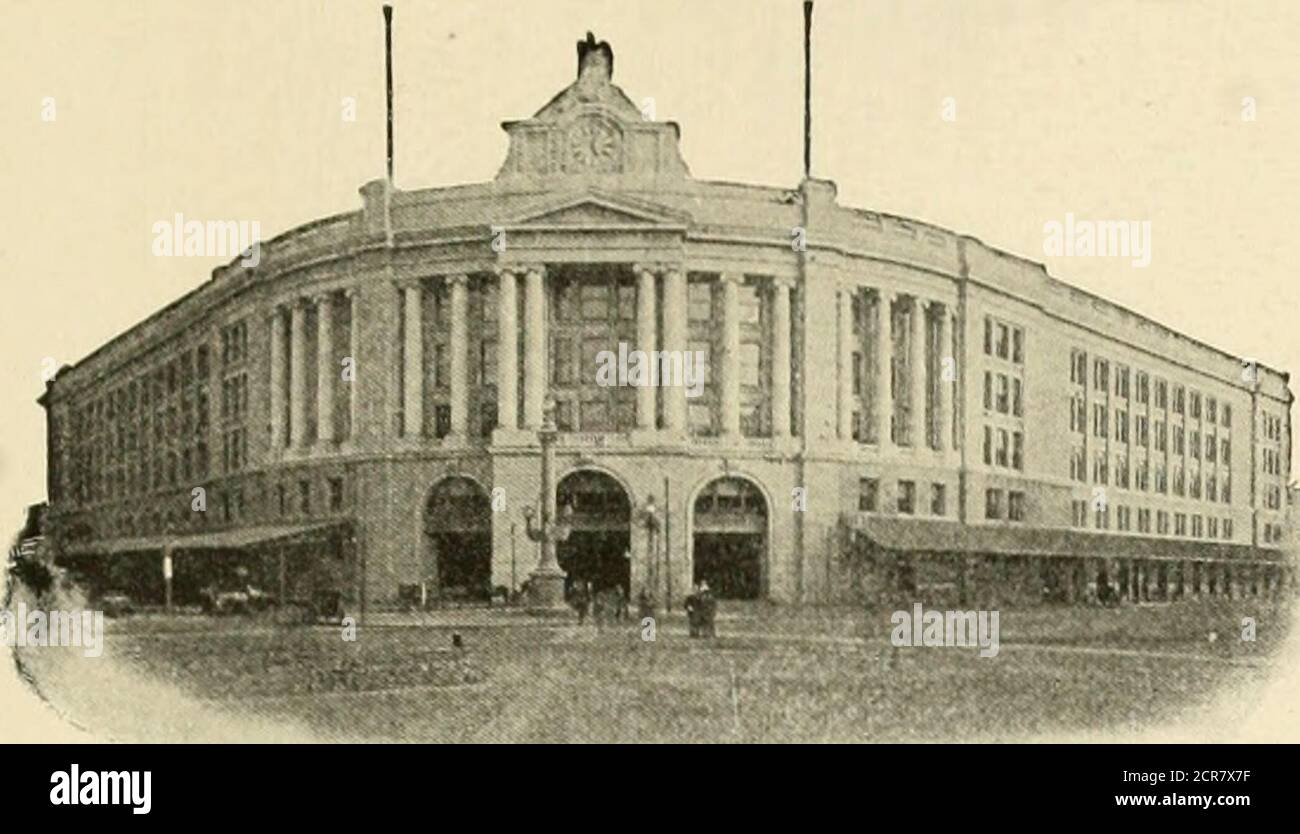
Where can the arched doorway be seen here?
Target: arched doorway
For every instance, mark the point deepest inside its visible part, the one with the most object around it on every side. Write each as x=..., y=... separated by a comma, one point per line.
x=730, y=538
x=596, y=550
x=458, y=539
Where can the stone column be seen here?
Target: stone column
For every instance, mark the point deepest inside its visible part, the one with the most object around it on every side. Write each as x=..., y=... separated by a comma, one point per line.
x=946, y=381
x=354, y=347
x=844, y=352
x=645, y=341
x=916, y=373
x=459, y=363
x=413, y=362
x=676, y=338
x=535, y=381
x=279, y=390
x=325, y=368
x=884, y=399
x=731, y=354
x=781, y=357
x=298, y=374
x=507, y=352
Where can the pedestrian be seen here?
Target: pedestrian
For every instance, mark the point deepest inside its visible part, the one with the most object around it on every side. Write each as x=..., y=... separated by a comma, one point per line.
x=580, y=599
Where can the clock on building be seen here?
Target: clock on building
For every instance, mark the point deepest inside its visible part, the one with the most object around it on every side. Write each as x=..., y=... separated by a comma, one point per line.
x=593, y=146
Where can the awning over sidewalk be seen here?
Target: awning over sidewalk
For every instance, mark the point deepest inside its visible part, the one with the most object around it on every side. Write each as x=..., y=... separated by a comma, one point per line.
x=919, y=535
x=232, y=539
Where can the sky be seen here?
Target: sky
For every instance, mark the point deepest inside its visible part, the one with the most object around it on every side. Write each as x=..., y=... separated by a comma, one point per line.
x=1183, y=114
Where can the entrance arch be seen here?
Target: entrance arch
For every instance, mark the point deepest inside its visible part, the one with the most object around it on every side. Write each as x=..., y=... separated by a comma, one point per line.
x=458, y=538
x=601, y=522
x=729, y=522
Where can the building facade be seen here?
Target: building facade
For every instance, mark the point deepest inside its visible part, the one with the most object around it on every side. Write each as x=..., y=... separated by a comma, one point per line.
x=877, y=391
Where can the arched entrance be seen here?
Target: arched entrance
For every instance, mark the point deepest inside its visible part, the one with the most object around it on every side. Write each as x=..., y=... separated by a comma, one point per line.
x=596, y=550
x=458, y=539
x=730, y=538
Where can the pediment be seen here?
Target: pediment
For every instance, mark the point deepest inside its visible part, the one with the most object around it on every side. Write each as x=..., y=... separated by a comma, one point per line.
x=592, y=210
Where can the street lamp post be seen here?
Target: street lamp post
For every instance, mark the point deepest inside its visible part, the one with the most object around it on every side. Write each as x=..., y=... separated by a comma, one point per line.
x=650, y=515
x=546, y=583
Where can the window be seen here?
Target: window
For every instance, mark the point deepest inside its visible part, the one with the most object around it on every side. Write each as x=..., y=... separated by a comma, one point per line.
x=700, y=301
x=988, y=391
x=1003, y=400
x=1100, y=420
x=304, y=497
x=1194, y=401
x=993, y=503
x=1227, y=417
x=988, y=446
x=1017, y=451
x=1015, y=506
x=1018, y=346
x=336, y=494
x=1100, y=375
x=988, y=337
x=938, y=499
x=1017, y=397
x=1161, y=394
x=906, y=497
x=1078, y=367
x=1002, y=447
x=1002, y=343
x=1178, y=399
x=868, y=495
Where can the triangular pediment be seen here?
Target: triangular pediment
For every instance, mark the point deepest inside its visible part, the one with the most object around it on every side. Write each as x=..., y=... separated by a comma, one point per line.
x=597, y=210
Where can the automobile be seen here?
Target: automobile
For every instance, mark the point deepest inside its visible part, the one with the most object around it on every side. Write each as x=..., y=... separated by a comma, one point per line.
x=116, y=604
x=243, y=600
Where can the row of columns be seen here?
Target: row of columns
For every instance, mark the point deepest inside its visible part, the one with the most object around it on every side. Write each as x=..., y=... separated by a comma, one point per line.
x=919, y=311
x=413, y=356
x=674, y=337
x=289, y=381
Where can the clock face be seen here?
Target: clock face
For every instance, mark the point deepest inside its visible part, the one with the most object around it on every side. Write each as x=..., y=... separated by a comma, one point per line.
x=593, y=146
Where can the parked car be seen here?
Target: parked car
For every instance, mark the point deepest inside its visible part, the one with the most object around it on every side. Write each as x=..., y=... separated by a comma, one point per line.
x=116, y=604
x=238, y=601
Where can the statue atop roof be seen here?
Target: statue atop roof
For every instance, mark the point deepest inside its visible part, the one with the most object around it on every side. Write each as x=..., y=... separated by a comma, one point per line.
x=595, y=60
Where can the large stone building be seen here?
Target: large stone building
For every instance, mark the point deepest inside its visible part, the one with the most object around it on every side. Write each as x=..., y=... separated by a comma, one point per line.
x=887, y=404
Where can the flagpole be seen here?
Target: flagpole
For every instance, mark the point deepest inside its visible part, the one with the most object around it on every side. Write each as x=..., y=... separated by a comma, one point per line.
x=807, y=88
